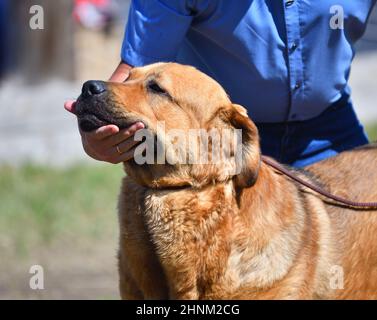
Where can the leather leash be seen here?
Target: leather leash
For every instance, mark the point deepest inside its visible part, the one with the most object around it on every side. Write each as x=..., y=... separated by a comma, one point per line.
x=346, y=202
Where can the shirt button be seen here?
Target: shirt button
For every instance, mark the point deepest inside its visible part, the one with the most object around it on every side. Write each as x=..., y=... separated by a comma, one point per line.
x=289, y=3
x=293, y=46
x=297, y=86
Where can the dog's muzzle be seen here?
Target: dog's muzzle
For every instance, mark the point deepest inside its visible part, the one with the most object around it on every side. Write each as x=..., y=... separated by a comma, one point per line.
x=92, y=106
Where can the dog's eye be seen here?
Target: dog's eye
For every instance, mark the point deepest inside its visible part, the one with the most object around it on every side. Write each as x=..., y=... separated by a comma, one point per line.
x=155, y=88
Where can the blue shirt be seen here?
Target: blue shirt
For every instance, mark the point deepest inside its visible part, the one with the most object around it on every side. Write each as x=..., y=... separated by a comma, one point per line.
x=282, y=60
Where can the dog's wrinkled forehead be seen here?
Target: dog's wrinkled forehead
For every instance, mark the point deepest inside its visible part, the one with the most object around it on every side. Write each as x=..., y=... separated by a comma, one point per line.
x=183, y=83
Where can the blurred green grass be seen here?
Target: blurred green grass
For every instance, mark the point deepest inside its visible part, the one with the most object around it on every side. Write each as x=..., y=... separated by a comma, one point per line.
x=372, y=131
x=40, y=204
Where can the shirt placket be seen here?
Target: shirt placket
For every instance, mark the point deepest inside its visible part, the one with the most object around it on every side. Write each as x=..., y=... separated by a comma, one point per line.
x=294, y=58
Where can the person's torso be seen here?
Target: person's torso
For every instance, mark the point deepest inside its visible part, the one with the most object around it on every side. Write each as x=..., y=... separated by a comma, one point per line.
x=282, y=60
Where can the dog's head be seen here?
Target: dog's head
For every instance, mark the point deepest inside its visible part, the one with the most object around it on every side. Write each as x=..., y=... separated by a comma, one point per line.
x=190, y=126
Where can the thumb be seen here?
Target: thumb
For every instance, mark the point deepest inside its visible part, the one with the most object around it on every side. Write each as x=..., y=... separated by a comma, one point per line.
x=121, y=73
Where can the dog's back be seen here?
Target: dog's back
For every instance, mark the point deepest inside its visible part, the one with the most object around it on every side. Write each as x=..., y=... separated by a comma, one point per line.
x=353, y=175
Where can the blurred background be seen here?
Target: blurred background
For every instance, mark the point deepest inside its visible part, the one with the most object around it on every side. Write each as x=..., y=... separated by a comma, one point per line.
x=58, y=207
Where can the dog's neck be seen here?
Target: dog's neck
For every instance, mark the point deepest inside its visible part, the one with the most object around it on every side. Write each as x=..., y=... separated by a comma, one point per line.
x=170, y=177
x=256, y=232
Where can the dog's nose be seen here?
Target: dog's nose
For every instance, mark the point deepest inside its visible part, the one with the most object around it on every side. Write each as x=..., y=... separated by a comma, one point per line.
x=91, y=88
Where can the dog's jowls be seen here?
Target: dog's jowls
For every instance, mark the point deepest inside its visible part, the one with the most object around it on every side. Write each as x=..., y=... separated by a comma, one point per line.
x=195, y=231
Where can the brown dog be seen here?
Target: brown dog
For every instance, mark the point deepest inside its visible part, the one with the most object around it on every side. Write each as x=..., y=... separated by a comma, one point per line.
x=196, y=231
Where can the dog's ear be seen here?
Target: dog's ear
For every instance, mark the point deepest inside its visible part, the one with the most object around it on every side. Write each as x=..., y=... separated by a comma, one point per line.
x=248, y=162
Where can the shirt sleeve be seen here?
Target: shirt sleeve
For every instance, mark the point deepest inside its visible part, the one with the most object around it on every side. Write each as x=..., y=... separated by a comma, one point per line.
x=155, y=31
